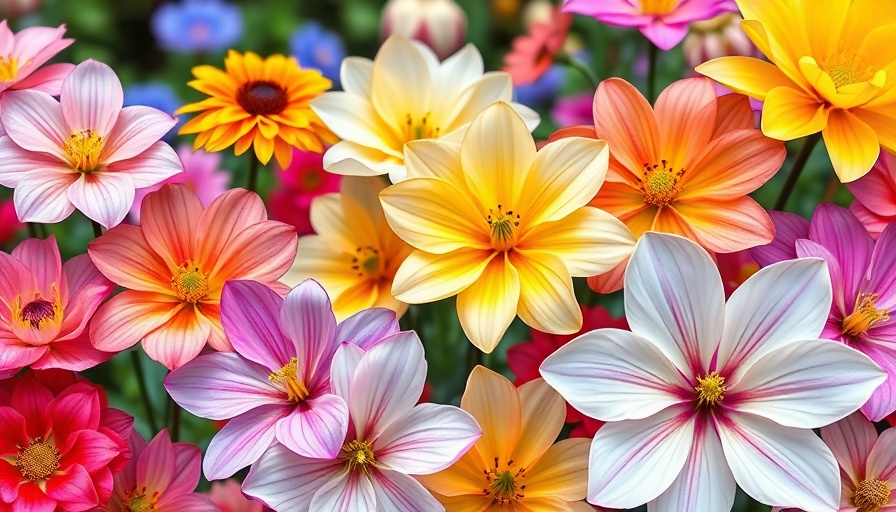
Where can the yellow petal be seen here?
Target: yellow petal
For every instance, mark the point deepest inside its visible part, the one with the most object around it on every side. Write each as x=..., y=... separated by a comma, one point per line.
x=543, y=415
x=543, y=504
x=495, y=403
x=881, y=120
x=361, y=198
x=467, y=503
x=329, y=219
x=487, y=307
x=425, y=277
x=845, y=97
x=787, y=38
x=746, y=75
x=852, y=145
x=562, y=472
x=547, y=300
x=463, y=480
x=823, y=26
x=400, y=83
x=790, y=114
x=319, y=258
x=357, y=298
x=435, y=159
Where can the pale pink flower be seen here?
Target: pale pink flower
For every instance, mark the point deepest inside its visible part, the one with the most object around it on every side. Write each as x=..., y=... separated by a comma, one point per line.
x=84, y=151
x=229, y=497
x=388, y=441
x=22, y=54
x=704, y=395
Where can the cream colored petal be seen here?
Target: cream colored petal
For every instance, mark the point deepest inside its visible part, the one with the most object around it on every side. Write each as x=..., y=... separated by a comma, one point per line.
x=329, y=219
x=354, y=118
x=543, y=415
x=356, y=75
x=425, y=277
x=361, y=198
x=435, y=159
x=487, y=307
x=562, y=472
x=547, y=300
x=495, y=403
x=321, y=259
x=401, y=83
x=458, y=110
x=352, y=159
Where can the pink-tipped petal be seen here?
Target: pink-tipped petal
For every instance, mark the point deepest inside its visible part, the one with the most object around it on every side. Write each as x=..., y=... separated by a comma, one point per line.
x=42, y=258
x=150, y=167
x=317, y=429
x=250, y=314
x=128, y=317
x=91, y=98
x=86, y=290
x=285, y=481
x=789, y=227
x=76, y=355
x=663, y=35
x=307, y=319
x=34, y=121
x=883, y=401
x=397, y=492
x=851, y=440
x=242, y=441
x=105, y=197
x=137, y=128
x=42, y=196
x=838, y=230
x=368, y=327
x=883, y=269
x=156, y=466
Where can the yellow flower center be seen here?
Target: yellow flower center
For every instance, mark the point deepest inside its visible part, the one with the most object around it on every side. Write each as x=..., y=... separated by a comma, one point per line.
x=658, y=7
x=503, y=484
x=864, y=315
x=190, y=283
x=137, y=502
x=846, y=67
x=262, y=97
x=420, y=128
x=38, y=461
x=8, y=69
x=288, y=377
x=710, y=390
x=38, y=313
x=83, y=150
x=660, y=183
x=871, y=495
x=503, y=228
x=358, y=455
x=367, y=262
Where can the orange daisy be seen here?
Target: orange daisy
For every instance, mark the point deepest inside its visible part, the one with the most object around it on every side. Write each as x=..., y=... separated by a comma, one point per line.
x=258, y=102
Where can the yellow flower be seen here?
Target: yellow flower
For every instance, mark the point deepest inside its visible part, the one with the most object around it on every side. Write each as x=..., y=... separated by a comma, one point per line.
x=515, y=465
x=257, y=102
x=355, y=254
x=831, y=72
x=503, y=227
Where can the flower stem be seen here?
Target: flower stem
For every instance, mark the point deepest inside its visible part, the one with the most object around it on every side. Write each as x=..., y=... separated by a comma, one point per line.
x=141, y=381
x=253, y=174
x=175, y=421
x=574, y=63
x=475, y=359
x=32, y=230
x=97, y=229
x=799, y=162
x=653, y=54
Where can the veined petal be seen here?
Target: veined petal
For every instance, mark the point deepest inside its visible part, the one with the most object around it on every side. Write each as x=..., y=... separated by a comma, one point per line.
x=882, y=460
x=285, y=481
x=398, y=492
x=317, y=429
x=487, y=307
x=91, y=98
x=42, y=196
x=128, y=317
x=852, y=144
x=746, y=75
x=347, y=492
x=425, y=277
x=734, y=113
x=306, y=318
x=429, y=158
x=242, y=441
x=137, y=128
x=168, y=219
x=789, y=227
x=398, y=63
x=625, y=120
x=726, y=225
x=562, y=472
x=180, y=339
x=686, y=115
x=495, y=404
x=543, y=415
x=851, y=440
x=345, y=362
x=34, y=122
x=105, y=197
x=790, y=113
x=838, y=231
x=251, y=319
x=547, y=299
x=150, y=167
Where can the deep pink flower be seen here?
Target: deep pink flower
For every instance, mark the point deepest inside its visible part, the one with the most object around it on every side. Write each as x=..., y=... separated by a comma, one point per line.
x=574, y=110
x=735, y=268
x=297, y=185
x=229, y=497
x=45, y=308
x=22, y=54
x=9, y=221
x=875, y=192
x=276, y=387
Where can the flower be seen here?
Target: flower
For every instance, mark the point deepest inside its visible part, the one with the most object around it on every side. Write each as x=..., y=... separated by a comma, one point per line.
x=574, y=110
x=318, y=48
x=503, y=227
x=389, y=439
x=827, y=74
x=515, y=465
x=174, y=267
x=533, y=53
x=864, y=278
x=202, y=175
x=297, y=185
x=16, y=8
x=875, y=194
x=25, y=52
x=84, y=152
x=285, y=392
x=46, y=308
x=157, y=95
x=663, y=22
x=544, y=90
x=406, y=95
x=229, y=497
x=9, y=221
x=54, y=449
x=197, y=26
x=685, y=167
x=701, y=394
x=263, y=103
x=439, y=24
x=718, y=37
x=355, y=254
x=735, y=268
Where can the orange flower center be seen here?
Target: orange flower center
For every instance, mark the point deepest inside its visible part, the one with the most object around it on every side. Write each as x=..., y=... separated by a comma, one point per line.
x=137, y=502
x=420, y=128
x=864, y=315
x=871, y=495
x=503, y=228
x=846, y=67
x=262, y=97
x=660, y=183
x=289, y=379
x=367, y=262
x=38, y=461
x=358, y=456
x=658, y=7
x=189, y=282
x=710, y=390
x=503, y=484
x=8, y=69
x=83, y=150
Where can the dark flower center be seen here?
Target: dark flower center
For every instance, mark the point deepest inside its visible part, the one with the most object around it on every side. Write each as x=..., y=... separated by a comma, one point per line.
x=37, y=310
x=261, y=98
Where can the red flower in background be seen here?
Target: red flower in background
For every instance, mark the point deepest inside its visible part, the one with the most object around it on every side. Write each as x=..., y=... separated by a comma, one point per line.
x=534, y=53
x=892, y=419
x=735, y=268
x=297, y=185
x=9, y=221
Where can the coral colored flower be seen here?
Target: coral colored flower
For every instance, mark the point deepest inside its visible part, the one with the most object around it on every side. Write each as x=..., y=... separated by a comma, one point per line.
x=229, y=497
x=160, y=477
x=703, y=395
x=355, y=254
x=297, y=185
x=174, y=267
x=202, y=174
x=875, y=193
x=663, y=22
x=284, y=393
x=864, y=276
x=735, y=268
x=23, y=53
x=533, y=53
x=439, y=24
x=197, y=26
x=55, y=453
x=405, y=94
x=829, y=73
x=263, y=103
x=717, y=37
x=46, y=307
x=685, y=167
x=389, y=439
x=515, y=465
x=9, y=221
x=84, y=151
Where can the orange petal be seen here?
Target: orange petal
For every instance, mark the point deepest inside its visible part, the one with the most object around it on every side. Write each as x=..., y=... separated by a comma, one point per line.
x=169, y=218
x=123, y=255
x=495, y=403
x=791, y=113
x=487, y=307
x=735, y=113
x=625, y=120
x=561, y=472
x=852, y=145
x=686, y=115
x=611, y=281
x=586, y=131
x=619, y=199
x=727, y=226
x=342, y=219
x=128, y=317
x=669, y=221
x=262, y=252
x=179, y=340
x=460, y=486
x=543, y=416
x=746, y=75
x=224, y=219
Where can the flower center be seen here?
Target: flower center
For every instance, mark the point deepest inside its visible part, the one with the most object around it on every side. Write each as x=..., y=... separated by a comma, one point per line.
x=367, y=262
x=83, y=150
x=503, y=228
x=8, y=69
x=710, y=390
x=261, y=98
x=37, y=313
x=660, y=184
x=871, y=495
x=38, y=461
x=846, y=67
x=358, y=455
x=864, y=315
x=503, y=484
x=288, y=376
x=137, y=502
x=190, y=283
x=658, y=7
x=420, y=128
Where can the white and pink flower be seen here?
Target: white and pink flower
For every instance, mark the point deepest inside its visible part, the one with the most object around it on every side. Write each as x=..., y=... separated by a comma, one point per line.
x=23, y=54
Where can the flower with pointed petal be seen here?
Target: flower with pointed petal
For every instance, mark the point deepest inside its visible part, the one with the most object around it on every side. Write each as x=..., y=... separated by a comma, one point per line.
x=276, y=387
x=875, y=194
x=229, y=497
x=702, y=394
x=23, y=53
x=503, y=227
x=533, y=53
x=388, y=441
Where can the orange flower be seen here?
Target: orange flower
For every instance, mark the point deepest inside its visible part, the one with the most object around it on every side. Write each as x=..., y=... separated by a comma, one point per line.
x=175, y=265
x=684, y=168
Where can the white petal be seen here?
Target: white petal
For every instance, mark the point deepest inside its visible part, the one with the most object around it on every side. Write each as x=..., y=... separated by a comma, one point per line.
x=355, y=75
x=241, y=442
x=33, y=120
x=401, y=81
x=150, y=167
x=42, y=196
x=307, y=319
x=105, y=197
x=396, y=492
x=342, y=371
x=348, y=492
x=353, y=118
x=285, y=481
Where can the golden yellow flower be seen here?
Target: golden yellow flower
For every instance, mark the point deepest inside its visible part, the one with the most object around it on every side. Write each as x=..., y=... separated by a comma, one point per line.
x=257, y=102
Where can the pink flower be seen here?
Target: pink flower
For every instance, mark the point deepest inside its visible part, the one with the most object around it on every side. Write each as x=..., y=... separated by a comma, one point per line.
x=84, y=152
x=276, y=387
x=574, y=110
x=875, y=203
x=46, y=307
x=297, y=185
x=229, y=497
x=22, y=54
x=663, y=22
x=160, y=477
x=9, y=221
x=534, y=53
x=389, y=439
x=202, y=174
x=735, y=268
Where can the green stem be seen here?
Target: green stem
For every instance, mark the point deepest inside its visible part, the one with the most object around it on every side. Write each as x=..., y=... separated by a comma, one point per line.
x=799, y=162
x=574, y=63
x=475, y=359
x=175, y=421
x=253, y=173
x=32, y=230
x=97, y=229
x=653, y=54
x=144, y=395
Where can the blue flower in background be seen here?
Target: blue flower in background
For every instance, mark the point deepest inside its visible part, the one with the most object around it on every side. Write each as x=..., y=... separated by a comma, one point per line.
x=318, y=48
x=542, y=90
x=156, y=95
x=195, y=26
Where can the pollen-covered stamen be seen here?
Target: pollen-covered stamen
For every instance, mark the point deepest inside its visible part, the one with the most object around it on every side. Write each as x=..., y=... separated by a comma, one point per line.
x=660, y=183
x=190, y=282
x=358, y=456
x=367, y=262
x=504, y=483
x=658, y=7
x=710, y=390
x=138, y=501
x=38, y=461
x=864, y=315
x=83, y=150
x=8, y=69
x=289, y=377
x=420, y=128
x=39, y=312
x=847, y=67
x=262, y=97
x=503, y=227
x=871, y=495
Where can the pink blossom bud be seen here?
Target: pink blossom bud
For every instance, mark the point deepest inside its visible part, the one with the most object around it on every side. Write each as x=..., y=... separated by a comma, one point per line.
x=718, y=37
x=439, y=24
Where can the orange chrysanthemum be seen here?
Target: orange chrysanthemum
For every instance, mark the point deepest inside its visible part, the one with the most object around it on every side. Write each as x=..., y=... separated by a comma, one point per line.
x=258, y=102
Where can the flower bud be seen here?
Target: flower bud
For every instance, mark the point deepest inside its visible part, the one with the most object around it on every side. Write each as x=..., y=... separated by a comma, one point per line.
x=439, y=24
x=718, y=37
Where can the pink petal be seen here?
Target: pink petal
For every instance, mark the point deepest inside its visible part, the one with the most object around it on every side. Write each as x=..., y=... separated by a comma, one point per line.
x=342, y=371
x=87, y=288
x=810, y=249
x=92, y=450
x=128, y=317
x=307, y=319
x=613, y=12
x=882, y=460
x=12, y=433
x=74, y=489
x=42, y=196
x=10, y=481
x=150, y=167
x=42, y=258
x=368, y=327
x=316, y=429
x=34, y=121
x=397, y=492
x=250, y=313
x=789, y=227
x=883, y=352
x=262, y=252
x=285, y=481
x=187, y=503
x=851, y=440
x=76, y=409
x=137, y=128
x=228, y=216
x=47, y=79
x=242, y=441
x=179, y=340
x=75, y=354
x=104, y=197
x=665, y=36
x=169, y=221
x=32, y=43
x=188, y=461
x=840, y=232
x=688, y=11
x=91, y=98
x=347, y=492
x=15, y=355
x=883, y=269
x=156, y=466
x=18, y=163
x=32, y=402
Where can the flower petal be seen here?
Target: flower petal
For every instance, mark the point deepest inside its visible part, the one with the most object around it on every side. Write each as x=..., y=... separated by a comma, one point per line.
x=347, y=492
x=397, y=492
x=882, y=460
x=33, y=120
x=488, y=306
x=368, y=328
x=150, y=167
x=686, y=114
x=317, y=429
x=136, y=129
x=285, y=481
x=562, y=472
x=789, y=114
x=179, y=340
x=251, y=319
x=746, y=75
x=543, y=414
x=105, y=197
x=547, y=299
x=789, y=227
x=242, y=441
x=168, y=218
x=727, y=225
x=852, y=144
x=307, y=319
x=91, y=98
x=495, y=404
x=851, y=440
x=625, y=120
x=42, y=196
x=125, y=257
x=424, y=277
x=128, y=317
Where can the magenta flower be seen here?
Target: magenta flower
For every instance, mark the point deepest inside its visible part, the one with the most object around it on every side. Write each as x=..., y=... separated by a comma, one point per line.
x=875, y=192
x=160, y=477
x=389, y=439
x=22, y=54
x=84, y=151
x=46, y=307
x=663, y=22
x=863, y=273
x=276, y=387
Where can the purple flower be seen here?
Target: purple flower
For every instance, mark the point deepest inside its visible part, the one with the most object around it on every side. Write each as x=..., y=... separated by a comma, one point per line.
x=195, y=26
x=318, y=48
